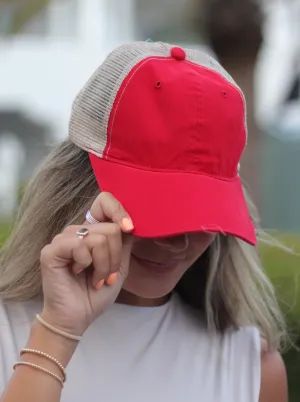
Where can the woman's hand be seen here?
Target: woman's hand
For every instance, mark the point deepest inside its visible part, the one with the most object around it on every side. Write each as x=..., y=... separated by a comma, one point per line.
x=82, y=277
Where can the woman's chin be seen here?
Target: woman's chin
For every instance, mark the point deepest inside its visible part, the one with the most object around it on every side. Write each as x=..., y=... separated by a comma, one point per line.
x=144, y=291
x=153, y=281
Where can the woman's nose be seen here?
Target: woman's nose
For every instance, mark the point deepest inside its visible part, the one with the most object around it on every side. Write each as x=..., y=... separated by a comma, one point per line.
x=175, y=244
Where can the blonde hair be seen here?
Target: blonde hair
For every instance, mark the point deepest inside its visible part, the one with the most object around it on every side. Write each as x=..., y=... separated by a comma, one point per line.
x=227, y=282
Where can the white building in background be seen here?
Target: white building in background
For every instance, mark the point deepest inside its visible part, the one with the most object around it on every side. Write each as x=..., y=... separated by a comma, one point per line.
x=278, y=70
x=43, y=66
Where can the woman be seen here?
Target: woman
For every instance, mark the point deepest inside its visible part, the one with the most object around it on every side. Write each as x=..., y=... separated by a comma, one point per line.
x=159, y=294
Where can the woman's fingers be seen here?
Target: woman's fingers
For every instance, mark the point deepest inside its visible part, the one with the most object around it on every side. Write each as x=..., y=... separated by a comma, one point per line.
x=126, y=255
x=65, y=250
x=114, y=238
x=109, y=249
x=101, y=260
x=106, y=253
x=82, y=259
x=105, y=247
x=107, y=208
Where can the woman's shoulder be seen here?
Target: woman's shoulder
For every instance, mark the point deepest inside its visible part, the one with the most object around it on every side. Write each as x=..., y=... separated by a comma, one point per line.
x=273, y=376
x=227, y=356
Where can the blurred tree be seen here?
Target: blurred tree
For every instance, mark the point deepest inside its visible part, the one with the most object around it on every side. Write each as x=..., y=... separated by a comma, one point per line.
x=234, y=30
x=26, y=11
x=18, y=12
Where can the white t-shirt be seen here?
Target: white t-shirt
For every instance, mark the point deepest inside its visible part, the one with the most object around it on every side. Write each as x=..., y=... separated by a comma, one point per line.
x=146, y=354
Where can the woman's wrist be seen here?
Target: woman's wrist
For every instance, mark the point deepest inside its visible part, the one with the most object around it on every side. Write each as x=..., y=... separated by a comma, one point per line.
x=65, y=324
x=40, y=373
x=55, y=345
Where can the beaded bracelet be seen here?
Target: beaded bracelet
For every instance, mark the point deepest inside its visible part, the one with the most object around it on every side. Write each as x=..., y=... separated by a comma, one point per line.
x=40, y=368
x=48, y=357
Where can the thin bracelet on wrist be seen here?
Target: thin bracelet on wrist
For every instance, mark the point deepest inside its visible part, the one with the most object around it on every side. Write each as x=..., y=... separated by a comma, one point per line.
x=48, y=357
x=40, y=368
x=57, y=331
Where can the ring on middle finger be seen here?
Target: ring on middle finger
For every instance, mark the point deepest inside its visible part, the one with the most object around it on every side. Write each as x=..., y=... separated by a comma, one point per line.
x=82, y=233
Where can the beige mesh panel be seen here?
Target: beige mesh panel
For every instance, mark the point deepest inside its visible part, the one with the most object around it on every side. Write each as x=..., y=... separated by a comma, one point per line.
x=92, y=106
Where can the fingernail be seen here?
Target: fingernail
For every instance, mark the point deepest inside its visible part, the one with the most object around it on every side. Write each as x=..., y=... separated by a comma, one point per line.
x=100, y=284
x=112, y=279
x=127, y=225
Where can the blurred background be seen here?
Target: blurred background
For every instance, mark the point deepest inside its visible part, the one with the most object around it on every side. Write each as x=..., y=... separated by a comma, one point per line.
x=48, y=48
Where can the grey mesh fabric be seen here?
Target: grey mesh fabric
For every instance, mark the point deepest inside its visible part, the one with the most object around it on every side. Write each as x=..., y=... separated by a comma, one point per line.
x=93, y=105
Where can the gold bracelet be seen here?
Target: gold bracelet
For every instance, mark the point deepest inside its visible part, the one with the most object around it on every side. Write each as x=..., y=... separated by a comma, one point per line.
x=48, y=357
x=58, y=331
x=40, y=368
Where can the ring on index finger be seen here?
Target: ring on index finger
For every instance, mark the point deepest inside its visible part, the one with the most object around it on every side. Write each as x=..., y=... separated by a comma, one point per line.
x=90, y=218
x=82, y=233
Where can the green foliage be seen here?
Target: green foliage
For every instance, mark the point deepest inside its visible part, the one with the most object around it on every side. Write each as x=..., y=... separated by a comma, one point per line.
x=283, y=269
x=292, y=362
x=5, y=229
x=25, y=12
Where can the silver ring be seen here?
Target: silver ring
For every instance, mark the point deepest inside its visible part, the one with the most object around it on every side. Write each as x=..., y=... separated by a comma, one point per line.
x=90, y=218
x=82, y=232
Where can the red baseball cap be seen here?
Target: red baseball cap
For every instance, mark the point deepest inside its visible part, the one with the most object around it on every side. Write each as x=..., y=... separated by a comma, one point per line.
x=165, y=128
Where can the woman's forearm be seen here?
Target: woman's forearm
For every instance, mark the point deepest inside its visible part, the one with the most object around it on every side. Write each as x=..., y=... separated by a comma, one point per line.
x=31, y=385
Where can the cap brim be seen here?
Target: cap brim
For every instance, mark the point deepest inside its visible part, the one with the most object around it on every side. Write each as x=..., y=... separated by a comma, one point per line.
x=167, y=204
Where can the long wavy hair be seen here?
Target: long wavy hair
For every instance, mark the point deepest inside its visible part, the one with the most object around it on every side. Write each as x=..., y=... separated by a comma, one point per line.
x=227, y=283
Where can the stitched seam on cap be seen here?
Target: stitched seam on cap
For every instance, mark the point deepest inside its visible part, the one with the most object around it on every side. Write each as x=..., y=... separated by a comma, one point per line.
x=162, y=58
x=232, y=83
x=118, y=162
x=158, y=58
x=221, y=75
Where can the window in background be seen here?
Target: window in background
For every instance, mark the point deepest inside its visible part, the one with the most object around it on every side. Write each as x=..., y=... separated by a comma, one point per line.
x=63, y=18
x=120, y=23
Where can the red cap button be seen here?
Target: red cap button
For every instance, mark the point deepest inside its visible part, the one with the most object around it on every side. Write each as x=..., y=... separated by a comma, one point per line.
x=178, y=54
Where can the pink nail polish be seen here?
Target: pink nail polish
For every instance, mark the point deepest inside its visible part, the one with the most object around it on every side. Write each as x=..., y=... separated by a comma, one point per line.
x=127, y=225
x=100, y=284
x=112, y=279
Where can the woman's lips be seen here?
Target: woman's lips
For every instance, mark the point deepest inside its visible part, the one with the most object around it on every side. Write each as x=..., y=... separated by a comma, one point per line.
x=158, y=266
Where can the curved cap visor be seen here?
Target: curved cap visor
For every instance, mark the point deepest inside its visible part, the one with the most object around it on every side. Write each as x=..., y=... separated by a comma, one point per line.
x=165, y=204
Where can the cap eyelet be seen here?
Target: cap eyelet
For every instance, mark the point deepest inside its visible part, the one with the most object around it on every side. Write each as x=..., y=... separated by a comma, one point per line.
x=158, y=84
x=224, y=93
